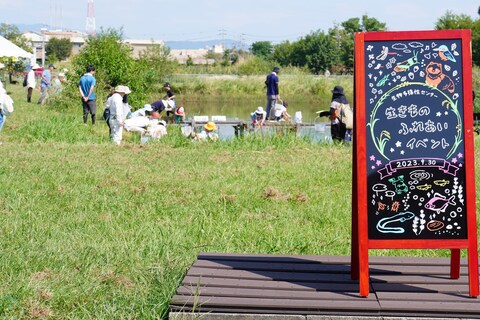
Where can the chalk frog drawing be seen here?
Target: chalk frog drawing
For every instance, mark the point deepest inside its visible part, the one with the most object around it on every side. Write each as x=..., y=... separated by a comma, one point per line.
x=399, y=184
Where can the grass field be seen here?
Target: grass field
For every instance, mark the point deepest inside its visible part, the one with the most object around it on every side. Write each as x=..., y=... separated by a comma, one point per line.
x=93, y=231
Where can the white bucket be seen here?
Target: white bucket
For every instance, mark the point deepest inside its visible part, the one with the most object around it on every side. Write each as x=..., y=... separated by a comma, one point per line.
x=297, y=117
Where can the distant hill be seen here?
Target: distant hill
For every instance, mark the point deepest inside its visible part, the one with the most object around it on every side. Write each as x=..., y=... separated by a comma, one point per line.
x=228, y=43
x=30, y=27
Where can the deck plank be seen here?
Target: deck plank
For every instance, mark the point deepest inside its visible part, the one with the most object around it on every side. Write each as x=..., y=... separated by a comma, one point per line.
x=321, y=285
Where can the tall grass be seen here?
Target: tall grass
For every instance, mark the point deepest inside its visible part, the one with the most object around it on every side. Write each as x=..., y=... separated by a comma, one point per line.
x=93, y=231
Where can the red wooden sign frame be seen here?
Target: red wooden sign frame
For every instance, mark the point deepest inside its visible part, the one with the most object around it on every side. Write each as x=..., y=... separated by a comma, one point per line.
x=361, y=243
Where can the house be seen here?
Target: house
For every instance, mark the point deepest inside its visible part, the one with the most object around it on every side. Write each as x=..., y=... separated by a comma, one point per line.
x=78, y=39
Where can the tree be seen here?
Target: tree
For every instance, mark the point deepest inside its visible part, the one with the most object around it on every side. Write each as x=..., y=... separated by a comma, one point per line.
x=261, y=49
x=59, y=48
x=11, y=33
x=112, y=59
x=317, y=51
x=283, y=53
x=450, y=21
x=344, y=35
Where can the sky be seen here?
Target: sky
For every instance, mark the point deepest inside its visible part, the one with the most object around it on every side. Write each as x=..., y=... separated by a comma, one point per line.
x=245, y=21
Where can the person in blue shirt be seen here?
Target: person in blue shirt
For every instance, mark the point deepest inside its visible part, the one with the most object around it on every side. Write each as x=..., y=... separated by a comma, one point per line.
x=86, y=87
x=46, y=84
x=272, y=91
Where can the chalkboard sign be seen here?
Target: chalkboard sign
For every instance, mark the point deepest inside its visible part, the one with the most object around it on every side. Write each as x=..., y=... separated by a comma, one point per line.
x=413, y=162
x=415, y=141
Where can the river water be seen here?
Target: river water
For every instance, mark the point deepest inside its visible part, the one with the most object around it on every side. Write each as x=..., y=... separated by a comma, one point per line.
x=318, y=131
x=240, y=109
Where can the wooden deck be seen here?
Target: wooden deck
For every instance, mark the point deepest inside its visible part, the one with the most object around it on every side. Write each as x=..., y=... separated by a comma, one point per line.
x=321, y=285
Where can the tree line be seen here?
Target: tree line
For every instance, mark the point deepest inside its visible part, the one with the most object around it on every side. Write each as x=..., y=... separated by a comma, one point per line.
x=334, y=50
x=316, y=52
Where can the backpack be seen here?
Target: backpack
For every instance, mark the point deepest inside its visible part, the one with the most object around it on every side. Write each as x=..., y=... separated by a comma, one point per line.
x=25, y=80
x=346, y=116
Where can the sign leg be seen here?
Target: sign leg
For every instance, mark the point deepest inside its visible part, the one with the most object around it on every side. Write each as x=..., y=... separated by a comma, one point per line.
x=455, y=263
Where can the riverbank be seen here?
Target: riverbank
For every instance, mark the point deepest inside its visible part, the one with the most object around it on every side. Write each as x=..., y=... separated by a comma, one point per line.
x=91, y=230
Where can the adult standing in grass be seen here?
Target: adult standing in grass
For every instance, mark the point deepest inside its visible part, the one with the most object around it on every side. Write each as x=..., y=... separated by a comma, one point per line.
x=338, y=129
x=46, y=84
x=31, y=83
x=86, y=87
x=272, y=90
x=118, y=113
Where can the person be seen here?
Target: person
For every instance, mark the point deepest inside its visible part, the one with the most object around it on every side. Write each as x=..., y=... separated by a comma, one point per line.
x=118, y=113
x=338, y=129
x=140, y=123
x=179, y=114
x=272, y=91
x=58, y=83
x=258, y=117
x=147, y=108
x=158, y=105
x=209, y=132
x=170, y=98
x=31, y=82
x=6, y=106
x=46, y=84
x=280, y=111
x=86, y=86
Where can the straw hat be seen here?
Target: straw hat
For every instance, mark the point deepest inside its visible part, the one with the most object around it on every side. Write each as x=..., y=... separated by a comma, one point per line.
x=210, y=126
x=122, y=89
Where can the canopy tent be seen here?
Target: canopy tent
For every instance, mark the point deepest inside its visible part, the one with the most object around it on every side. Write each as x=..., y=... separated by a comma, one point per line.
x=10, y=50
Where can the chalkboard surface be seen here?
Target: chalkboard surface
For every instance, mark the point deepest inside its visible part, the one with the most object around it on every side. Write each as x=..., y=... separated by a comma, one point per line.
x=415, y=143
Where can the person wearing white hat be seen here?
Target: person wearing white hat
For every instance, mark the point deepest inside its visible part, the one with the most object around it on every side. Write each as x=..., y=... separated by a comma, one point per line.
x=31, y=82
x=258, y=117
x=117, y=113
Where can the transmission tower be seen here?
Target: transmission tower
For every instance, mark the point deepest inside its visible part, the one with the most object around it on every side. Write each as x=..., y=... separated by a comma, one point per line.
x=90, y=22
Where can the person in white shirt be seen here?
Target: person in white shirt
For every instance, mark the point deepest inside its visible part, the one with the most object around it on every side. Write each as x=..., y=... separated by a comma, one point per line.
x=118, y=113
x=280, y=111
x=31, y=82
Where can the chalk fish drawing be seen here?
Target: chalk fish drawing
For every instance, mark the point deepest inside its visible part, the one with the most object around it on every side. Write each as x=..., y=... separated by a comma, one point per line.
x=424, y=187
x=441, y=183
x=383, y=224
x=439, y=203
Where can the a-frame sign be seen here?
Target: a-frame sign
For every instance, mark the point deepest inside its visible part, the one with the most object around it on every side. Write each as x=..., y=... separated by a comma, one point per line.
x=413, y=170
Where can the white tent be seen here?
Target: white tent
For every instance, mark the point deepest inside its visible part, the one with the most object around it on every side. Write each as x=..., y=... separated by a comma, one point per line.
x=9, y=49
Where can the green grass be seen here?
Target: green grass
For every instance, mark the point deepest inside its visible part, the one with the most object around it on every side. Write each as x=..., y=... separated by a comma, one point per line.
x=93, y=231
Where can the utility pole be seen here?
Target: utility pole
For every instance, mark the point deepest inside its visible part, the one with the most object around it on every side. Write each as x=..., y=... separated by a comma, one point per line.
x=222, y=33
x=90, y=22
x=43, y=30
